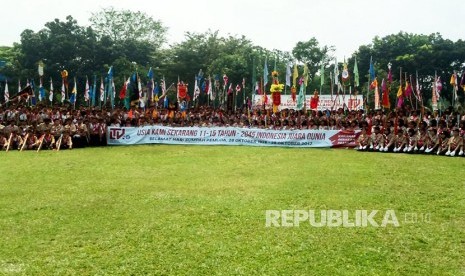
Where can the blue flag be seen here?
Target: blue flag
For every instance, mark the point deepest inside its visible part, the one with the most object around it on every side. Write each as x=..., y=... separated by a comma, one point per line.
x=33, y=96
x=372, y=70
x=110, y=73
x=150, y=73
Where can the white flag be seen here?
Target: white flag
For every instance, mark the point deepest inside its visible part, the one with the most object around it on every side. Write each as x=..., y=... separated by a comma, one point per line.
x=50, y=95
x=7, y=93
x=288, y=75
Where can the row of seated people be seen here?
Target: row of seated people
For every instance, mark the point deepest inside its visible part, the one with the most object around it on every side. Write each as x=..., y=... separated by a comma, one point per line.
x=410, y=140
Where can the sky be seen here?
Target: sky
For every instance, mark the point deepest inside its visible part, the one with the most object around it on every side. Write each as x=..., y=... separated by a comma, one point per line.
x=273, y=24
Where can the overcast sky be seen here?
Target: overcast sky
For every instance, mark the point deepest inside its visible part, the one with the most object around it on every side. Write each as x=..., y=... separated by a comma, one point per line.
x=273, y=24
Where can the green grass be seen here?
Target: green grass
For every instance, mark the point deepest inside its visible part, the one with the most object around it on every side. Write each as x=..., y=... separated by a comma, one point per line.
x=195, y=210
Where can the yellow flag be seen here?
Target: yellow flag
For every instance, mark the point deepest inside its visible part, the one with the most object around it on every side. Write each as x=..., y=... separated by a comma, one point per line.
x=399, y=92
x=295, y=75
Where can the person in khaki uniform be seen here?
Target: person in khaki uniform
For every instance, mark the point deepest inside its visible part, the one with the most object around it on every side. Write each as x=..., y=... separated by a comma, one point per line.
x=15, y=142
x=66, y=140
x=455, y=144
x=56, y=129
x=46, y=125
x=11, y=127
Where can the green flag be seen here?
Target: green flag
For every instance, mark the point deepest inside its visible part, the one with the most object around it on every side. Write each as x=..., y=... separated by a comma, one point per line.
x=322, y=74
x=301, y=97
x=356, y=80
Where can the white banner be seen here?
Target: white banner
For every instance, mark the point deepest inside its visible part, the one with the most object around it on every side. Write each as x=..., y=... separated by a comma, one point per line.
x=230, y=136
x=326, y=102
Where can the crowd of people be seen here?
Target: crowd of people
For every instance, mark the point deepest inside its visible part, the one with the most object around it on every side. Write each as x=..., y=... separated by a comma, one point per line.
x=65, y=127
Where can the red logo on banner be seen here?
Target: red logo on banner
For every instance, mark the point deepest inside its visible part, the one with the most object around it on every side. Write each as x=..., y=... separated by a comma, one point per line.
x=344, y=138
x=117, y=133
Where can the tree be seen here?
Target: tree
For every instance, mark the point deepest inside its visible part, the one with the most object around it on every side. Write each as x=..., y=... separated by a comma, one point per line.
x=312, y=54
x=126, y=25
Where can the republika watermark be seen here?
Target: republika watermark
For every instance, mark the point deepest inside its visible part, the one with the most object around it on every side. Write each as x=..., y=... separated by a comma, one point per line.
x=340, y=218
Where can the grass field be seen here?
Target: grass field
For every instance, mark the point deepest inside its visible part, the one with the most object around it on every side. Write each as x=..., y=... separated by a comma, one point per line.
x=195, y=210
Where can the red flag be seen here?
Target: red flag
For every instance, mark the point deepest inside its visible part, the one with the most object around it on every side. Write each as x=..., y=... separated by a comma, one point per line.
x=386, y=102
x=122, y=92
x=238, y=89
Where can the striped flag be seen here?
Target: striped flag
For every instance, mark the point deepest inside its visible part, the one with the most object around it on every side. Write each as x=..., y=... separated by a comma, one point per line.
x=196, y=90
x=102, y=90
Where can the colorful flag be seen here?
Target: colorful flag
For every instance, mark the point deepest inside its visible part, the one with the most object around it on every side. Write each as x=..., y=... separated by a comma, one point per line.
x=305, y=74
x=386, y=103
x=418, y=88
x=438, y=87
x=50, y=94
x=150, y=73
x=408, y=89
x=238, y=89
x=86, y=92
x=141, y=96
x=225, y=81
x=210, y=87
x=389, y=78
x=374, y=85
x=33, y=94
x=63, y=91
x=196, y=89
x=434, y=96
x=41, y=90
x=122, y=92
x=72, y=98
x=400, y=92
x=345, y=73
x=453, y=82
x=110, y=73
x=102, y=90
x=258, y=91
x=372, y=70
x=295, y=75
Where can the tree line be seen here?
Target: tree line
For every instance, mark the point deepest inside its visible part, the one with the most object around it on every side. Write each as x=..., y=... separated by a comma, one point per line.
x=134, y=41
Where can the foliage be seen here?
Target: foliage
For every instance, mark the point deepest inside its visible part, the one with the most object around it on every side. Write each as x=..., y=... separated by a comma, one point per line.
x=122, y=26
x=133, y=42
